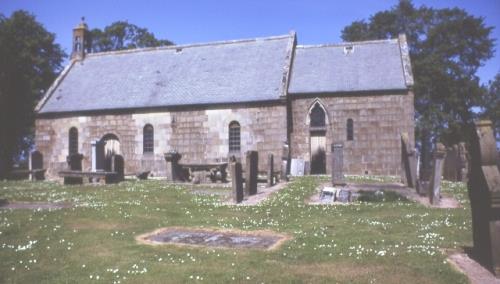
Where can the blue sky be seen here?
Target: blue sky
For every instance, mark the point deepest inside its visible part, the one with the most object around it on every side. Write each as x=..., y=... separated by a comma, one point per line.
x=189, y=21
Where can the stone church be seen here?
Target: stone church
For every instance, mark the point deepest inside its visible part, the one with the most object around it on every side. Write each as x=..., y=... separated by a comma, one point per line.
x=210, y=101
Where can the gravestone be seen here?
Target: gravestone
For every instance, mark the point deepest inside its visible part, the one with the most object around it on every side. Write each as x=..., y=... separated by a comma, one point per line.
x=98, y=156
x=297, y=167
x=484, y=193
x=270, y=170
x=463, y=162
x=409, y=161
x=251, y=172
x=285, y=157
x=36, y=163
x=343, y=196
x=118, y=166
x=236, y=181
x=338, y=164
x=74, y=164
x=435, y=183
x=174, y=171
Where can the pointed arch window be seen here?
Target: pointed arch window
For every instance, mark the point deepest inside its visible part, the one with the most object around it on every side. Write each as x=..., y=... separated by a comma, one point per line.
x=148, y=139
x=317, y=116
x=350, y=130
x=234, y=137
x=73, y=141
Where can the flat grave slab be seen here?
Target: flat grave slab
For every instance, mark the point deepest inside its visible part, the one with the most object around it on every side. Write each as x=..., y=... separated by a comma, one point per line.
x=265, y=240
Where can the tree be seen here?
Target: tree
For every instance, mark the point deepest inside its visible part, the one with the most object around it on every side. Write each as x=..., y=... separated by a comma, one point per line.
x=30, y=62
x=122, y=35
x=447, y=46
x=491, y=104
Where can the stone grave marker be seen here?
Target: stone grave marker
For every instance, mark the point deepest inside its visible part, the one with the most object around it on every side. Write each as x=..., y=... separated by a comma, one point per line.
x=435, y=183
x=98, y=156
x=285, y=154
x=409, y=161
x=343, y=195
x=118, y=166
x=236, y=181
x=173, y=168
x=74, y=164
x=338, y=164
x=270, y=170
x=484, y=193
x=36, y=163
x=297, y=167
x=251, y=172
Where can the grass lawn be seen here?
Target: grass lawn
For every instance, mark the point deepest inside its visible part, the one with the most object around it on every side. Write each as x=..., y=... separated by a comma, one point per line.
x=364, y=242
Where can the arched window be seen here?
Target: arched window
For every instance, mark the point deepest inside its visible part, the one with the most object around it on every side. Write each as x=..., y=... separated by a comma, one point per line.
x=148, y=137
x=350, y=130
x=317, y=116
x=73, y=141
x=234, y=137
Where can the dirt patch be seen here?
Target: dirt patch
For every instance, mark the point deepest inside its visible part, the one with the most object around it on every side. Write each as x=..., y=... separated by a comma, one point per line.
x=474, y=271
x=33, y=205
x=265, y=240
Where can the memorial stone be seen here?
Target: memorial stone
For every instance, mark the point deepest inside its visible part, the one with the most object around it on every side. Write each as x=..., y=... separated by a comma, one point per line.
x=236, y=181
x=251, y=172
x=98, y=156
x=338, y=164
x=36, y=163
x=174, y=172
x=409, y=161
x=297, y=167
x=285, y=157
x=435, y=183
x=484, y=193
x=270, y=170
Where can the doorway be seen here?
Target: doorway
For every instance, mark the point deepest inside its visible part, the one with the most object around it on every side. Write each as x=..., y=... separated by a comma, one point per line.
x=317, y=141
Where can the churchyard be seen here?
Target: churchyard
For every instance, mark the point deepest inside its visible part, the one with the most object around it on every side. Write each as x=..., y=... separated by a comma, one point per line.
x=379, y=240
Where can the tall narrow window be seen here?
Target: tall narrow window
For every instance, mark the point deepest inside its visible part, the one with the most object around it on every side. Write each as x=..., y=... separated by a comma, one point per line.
x=73, y=141
x=317, y=116
x=350, y=130
x=148, y=137
x=234, y=137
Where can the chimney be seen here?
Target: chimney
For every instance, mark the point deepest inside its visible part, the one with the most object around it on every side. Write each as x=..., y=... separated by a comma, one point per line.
x=81, y=41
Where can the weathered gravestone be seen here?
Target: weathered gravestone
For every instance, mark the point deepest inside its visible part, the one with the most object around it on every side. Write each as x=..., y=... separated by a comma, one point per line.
x=463, y=162
x=409, y=161
x=343, y=196
x=484, y=194
x=435, y=184
x=118, y=166
x=297, y=167
x=174, y=171
x=285, y=157
x=251, y=172
x=236, y=181
x=36, y=166
x=338, y=164
x=270, y=170
x=74, y=164
x=98, y=156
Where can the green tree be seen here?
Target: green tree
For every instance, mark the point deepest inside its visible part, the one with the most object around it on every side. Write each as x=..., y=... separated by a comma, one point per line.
x=123, y=35
x=447, y=46
x=491, y=104
x=30, y=61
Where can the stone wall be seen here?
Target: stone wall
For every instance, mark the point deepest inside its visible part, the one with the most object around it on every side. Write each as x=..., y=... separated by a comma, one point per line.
x=379, y=119
x=200, y=135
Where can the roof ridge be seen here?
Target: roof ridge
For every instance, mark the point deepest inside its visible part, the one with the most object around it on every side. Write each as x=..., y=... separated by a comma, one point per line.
x=189, y=45
x=347, y=43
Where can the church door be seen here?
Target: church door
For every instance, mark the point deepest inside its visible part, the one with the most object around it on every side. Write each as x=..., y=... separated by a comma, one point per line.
x=318, y=152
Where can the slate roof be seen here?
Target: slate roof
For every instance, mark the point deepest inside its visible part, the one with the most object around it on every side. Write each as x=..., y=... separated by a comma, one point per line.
x=233, y=71
x=240, y=71
x=371, y=66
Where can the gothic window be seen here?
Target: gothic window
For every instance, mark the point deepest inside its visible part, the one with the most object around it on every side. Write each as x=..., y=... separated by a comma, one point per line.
x=73, y=141
x=148, y=141
x=350, y=130
x=234, y=137
x=317, y=116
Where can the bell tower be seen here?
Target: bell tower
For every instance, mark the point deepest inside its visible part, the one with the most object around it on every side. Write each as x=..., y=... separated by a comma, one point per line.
x=81, y=41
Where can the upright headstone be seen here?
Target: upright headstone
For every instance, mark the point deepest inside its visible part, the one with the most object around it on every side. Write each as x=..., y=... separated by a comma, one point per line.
x=36, y=163
x=98, y=155
x=338, y=164
x=251, y=171
x=435, y=186
x=285, y=157
x=236, y=181
x=297, y=167
x=74, y=164
x=463, y=162
x=484, y=194
x=118, y=166
x=173, y=168
x=270, y=170
x=409, y=161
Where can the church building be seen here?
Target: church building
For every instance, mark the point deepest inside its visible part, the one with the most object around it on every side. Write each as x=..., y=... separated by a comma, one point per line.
x=211, y=101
